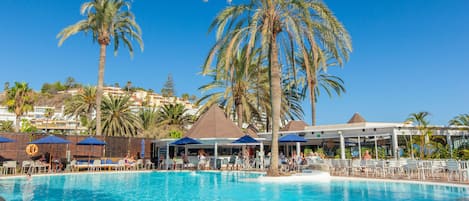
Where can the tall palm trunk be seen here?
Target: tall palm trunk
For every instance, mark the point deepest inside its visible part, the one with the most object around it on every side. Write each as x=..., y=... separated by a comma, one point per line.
x=99, y=89
x=239, y=113
x=312, y=80
x=17, y=124
x=312, y=86
x=275, y=91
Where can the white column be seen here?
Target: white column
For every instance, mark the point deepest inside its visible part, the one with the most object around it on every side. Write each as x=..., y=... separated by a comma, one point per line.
x=298, y=149
x=376, y=147
x=215, y=156
x=359, y=148
x=342, y=145
x=450, y=142
x=167, y=157
x=395, y=144
x=262, y=153
x=411, y=146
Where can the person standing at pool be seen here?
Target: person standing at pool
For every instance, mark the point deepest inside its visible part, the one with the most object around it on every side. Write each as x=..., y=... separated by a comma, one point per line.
x=202, y=160
x=367, y=155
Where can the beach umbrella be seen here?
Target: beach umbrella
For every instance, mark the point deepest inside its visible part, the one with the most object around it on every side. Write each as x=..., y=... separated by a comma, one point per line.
x=50, y=140
x=91, y=141
x=293, y=138
x=5, y=140
x=185, y=141
x=245, y=140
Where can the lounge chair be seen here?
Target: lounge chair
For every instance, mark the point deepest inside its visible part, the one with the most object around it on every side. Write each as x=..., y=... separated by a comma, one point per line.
x=96, y=166
x=149, y=165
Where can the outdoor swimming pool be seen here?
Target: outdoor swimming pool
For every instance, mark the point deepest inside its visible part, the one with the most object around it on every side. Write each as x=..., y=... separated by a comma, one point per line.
x=212, y=186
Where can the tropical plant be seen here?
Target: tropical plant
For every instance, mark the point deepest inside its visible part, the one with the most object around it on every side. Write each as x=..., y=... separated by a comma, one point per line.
x=148, y=117
x=118, y=118
x=6, y=126
x=185, y=96
x=27, y=127
x=174, y=115
x=245, y=93
x=279, y=28
x=460, y=120
x=19, y=100
x=48, y=113
x=317, y=78
x=83, y=105
x=175, y=134
x=421, y=121
x=107, y=20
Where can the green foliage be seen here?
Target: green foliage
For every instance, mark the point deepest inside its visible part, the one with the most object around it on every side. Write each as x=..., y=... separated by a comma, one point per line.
x=52, y=88
x=174, y=115
x=27, y=127
x=460, y=120
x=168, y=88
x=48, y=113
x=421, y=121
x=175, y=134
x=107, y=21
x=185, y=96
x=348, y=153
x=462, y=152
x=118, y=118
x=19, y=100
x=307, y=151
x=82, y=106
x=278, y=29
x=321, y=152
x=6, y=126
x=148, y=116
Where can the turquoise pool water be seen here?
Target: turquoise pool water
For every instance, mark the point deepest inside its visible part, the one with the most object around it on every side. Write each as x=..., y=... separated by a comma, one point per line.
x=212, y=186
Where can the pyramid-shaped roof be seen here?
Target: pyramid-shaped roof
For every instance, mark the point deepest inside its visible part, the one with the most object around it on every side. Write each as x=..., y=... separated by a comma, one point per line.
x=356, y=118
x=214, y=124
x=294, y=126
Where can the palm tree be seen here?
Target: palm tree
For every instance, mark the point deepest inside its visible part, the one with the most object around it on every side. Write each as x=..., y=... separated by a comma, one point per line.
x=421, y=121
x=317, y=78
x=174, y=115
x=185, y=96
x=460, y=120
x=83, y=105
x=148, y=117
x=107, y=20
x=48, y=114
x=118, y=118
x=19, y=100
x=247, y=96
x=278, y=28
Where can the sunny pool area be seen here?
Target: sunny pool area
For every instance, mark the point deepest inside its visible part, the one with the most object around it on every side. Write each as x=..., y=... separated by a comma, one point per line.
x=214, y=186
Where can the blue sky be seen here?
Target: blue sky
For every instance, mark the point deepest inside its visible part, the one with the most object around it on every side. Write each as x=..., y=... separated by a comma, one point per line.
x=409, y=56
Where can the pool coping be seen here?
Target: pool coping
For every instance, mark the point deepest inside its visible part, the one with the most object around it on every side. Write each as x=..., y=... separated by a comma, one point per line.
x=336, y=178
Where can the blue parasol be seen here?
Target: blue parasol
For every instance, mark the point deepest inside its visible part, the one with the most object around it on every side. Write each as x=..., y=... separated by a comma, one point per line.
x=245, y=139
x=91, y=141
x=292, y=138
x=50, y=140
x=5, y=140
x=185, y=140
